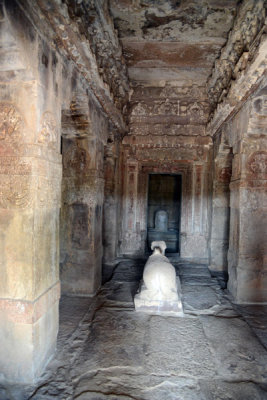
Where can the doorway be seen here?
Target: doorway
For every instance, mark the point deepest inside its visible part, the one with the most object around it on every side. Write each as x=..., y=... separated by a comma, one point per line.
x=164, y=210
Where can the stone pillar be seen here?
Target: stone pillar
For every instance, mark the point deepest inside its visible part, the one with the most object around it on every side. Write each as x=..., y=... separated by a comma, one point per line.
x=110, y=211
x=219, y=241
x=81, y=215
x=130, y=237
x=30, y=181
x=247, y=255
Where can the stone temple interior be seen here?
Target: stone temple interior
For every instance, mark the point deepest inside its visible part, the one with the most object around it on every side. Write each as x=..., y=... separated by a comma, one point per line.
x=123, y=121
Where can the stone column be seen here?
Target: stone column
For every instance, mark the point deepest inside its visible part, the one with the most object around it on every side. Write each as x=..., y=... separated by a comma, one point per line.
x=110, y=211
x=219, y=241
x=81, y=215
x=30, y=181
x=247, y=255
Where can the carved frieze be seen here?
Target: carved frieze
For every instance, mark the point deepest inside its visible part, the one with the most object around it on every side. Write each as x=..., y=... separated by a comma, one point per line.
x=14, y=166
x=167, y=130
x=166, y=154
x=195, y=111
x=194, y=92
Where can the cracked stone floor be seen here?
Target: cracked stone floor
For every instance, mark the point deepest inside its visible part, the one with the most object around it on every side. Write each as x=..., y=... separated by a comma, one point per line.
x=217, y=351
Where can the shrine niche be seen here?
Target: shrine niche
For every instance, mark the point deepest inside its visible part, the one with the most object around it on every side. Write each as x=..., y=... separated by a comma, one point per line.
x=164, y=210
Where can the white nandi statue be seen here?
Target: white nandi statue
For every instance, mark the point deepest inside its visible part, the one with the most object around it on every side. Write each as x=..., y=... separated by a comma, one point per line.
x=161, y=291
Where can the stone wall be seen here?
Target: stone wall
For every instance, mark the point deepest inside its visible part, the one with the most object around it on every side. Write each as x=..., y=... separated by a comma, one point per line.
x=167, y=135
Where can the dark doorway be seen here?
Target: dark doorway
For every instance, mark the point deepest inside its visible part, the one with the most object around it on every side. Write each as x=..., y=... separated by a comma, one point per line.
x=164, y=210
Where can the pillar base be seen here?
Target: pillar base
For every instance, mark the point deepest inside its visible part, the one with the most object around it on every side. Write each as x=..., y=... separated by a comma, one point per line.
x=28, y=332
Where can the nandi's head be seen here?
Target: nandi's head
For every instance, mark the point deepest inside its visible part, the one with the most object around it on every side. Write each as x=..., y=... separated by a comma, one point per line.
x=158, y=247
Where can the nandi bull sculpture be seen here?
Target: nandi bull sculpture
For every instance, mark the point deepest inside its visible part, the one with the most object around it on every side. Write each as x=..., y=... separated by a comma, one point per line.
x=161, y=290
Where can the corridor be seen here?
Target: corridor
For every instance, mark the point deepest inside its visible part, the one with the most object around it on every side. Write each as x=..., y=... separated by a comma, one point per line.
x=106, y=350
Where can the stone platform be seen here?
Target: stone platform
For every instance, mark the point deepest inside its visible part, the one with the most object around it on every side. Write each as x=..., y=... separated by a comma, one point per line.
x=107, y=351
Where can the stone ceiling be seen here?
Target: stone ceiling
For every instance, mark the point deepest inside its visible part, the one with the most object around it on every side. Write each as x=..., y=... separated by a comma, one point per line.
x=167, y=41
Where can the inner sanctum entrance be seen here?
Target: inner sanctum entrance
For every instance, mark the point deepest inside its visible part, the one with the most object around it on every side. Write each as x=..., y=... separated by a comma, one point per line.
x=164, y=210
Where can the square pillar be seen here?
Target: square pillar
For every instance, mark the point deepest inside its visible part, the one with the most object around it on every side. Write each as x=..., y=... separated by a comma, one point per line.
x=81, y=215
x=30, y=181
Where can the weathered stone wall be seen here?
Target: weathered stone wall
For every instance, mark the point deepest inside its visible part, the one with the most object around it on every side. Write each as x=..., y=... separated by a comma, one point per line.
x=167, y=135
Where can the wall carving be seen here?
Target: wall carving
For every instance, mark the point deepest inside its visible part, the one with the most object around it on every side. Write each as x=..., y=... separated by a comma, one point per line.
x=239, y=49
x=15, y=192
x=224, y=174
x=14, y=166
x=167, y=130
x=257, y=164
x=48, y=132
x=10, y=123
x=48, y=192
x=260, y=105
x=76, y=159
x=167, y=154
x=195, y=111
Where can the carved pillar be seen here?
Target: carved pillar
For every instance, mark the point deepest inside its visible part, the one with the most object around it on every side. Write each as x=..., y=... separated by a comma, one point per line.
x=131, y=237
x=111, y=202
x=30, y=180
x=248, y=234
x=219, y=241
x=81, y=215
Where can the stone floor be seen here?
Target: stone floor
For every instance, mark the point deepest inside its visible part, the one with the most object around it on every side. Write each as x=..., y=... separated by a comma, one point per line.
x=217, y=351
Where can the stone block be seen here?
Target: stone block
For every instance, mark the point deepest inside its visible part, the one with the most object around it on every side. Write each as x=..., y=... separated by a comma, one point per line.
x=218, y=251
x=220, y=222
x=81, y=273
x=28, y=333
x=16, y=260
x=194, y=247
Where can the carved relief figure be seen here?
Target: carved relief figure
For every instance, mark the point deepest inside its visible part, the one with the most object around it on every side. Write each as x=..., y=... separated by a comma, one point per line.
x=48, y=132
x=257, y=163
x=77, y=159
x=10, y=122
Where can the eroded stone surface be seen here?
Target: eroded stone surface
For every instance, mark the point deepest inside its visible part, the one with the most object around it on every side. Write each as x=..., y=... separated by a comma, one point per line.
x=116, y=353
